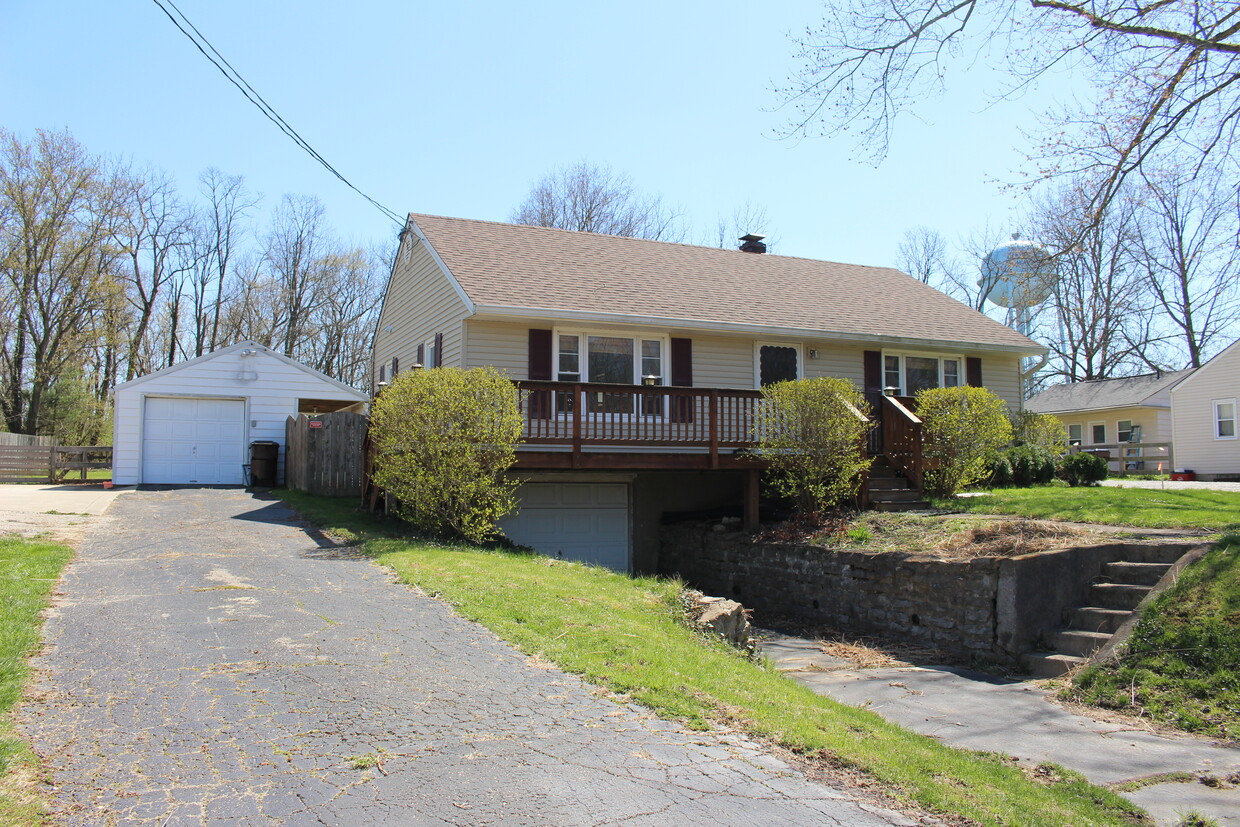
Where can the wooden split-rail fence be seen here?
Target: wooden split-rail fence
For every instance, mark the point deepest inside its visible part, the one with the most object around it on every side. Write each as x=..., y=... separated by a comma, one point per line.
x=28, y=460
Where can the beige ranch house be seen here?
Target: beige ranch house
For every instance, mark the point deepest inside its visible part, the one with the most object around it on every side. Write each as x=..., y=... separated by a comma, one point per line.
x=1128, y=418
x=642, y=361
x=1206, y=419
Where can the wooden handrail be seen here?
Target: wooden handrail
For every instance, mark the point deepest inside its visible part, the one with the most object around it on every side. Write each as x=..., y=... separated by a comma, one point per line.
x=902, y=440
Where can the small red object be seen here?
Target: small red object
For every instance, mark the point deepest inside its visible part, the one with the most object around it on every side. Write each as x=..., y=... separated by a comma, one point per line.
x=316, y=423
x=1184, y=476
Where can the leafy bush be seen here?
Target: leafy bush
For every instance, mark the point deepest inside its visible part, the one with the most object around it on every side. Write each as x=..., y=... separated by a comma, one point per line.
x=1042, y=432
x=1022, y=466
x=444, y=438
x=811, y=431
x=963, y=428
x=1083, y=469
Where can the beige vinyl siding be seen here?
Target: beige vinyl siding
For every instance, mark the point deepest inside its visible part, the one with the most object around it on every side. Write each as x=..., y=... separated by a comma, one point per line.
x=835, y=360
x=1192, y=406
x=502, y=345
x=421, y=301
x=1155, y=422
x=1001, y=374
x=722, y=362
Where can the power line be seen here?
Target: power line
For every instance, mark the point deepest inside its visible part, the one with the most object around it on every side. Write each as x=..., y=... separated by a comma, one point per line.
x=251, y=94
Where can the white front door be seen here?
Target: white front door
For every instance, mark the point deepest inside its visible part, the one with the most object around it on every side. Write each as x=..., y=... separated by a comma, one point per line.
x=193, y=441
x=583, y=521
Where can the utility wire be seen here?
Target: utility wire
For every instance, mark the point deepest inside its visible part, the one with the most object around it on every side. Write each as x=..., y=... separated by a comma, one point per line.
x=251, y=94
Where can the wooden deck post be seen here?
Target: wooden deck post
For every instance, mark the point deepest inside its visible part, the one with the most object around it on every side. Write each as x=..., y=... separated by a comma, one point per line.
x=753, y=481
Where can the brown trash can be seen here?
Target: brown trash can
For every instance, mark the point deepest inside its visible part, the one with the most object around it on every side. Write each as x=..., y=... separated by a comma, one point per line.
x=264, y=459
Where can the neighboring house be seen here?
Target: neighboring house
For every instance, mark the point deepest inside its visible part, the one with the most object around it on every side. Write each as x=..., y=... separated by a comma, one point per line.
x=192, y=423
x=641, y=361
x=1128, y=417
x=1206, y=419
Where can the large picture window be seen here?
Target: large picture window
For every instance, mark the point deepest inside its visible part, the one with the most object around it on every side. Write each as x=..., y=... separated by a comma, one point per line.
x=909, y=373
x=613, y=359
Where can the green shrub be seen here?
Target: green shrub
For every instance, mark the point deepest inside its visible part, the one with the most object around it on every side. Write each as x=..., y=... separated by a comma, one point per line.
x=811, y=432
x=444, y=439
x=963, y=427
x=1001, y=475
x=1042, y=432
x=1083, y=469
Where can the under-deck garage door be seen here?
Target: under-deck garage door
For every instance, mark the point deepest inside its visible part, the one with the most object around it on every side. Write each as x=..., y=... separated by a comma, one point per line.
x=588, y=522
x=193, y=441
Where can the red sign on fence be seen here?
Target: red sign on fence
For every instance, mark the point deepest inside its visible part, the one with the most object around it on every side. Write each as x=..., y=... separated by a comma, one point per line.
x=316, y=423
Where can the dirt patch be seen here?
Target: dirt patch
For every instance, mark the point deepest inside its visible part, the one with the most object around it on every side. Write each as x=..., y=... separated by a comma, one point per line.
x=63, y=528
x=947, y=537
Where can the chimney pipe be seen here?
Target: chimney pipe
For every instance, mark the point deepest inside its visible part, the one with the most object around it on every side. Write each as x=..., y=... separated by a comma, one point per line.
x=752, y=243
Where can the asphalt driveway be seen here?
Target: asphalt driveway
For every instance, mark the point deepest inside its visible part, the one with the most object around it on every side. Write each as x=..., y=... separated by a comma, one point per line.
x=209, y=662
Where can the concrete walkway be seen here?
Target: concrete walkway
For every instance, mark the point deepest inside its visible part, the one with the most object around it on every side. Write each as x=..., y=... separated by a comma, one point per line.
x=1171, y=485
x=980, y=712
x=65, y=512
x=209, y=663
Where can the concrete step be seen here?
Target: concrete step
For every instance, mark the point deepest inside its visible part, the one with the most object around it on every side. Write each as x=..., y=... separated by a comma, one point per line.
x=1079, y=643
x=895, y=495
x=1096, y=619
x=1117, y=595
x=1051, y=664
x=1158, y=553
x=912, y=505
x=1135, y=574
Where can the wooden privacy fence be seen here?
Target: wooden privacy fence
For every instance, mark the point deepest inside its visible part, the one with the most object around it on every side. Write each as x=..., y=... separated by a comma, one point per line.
x=51, y=463
x=323, y=453
x=25, y=439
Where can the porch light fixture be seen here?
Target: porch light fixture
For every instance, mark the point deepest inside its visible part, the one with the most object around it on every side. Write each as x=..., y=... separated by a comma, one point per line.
x=650, y=380
x=890, y=391
x=416, y=366
x=813, y=353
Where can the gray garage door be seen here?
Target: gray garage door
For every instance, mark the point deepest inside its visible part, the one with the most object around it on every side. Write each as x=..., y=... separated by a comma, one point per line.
x=588, y=522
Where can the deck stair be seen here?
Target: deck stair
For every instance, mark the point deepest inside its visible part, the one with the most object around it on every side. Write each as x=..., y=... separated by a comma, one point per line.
x=889, y=491
x=1110, y=601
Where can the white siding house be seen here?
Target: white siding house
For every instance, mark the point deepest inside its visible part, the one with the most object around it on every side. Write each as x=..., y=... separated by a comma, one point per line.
x=1205, y=413
x=192, y=423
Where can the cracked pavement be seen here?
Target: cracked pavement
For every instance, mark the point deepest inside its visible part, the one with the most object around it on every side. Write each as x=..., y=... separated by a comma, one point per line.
x=209, y=663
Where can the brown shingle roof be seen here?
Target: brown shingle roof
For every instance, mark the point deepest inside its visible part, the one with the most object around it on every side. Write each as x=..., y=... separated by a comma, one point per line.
x=517, y=266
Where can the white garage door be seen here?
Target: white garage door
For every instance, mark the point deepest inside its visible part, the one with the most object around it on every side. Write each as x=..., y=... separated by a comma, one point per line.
x=588, y=522
x=186, y=441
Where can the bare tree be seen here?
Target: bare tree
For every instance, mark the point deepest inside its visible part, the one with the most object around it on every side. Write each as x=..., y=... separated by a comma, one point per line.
x=596, y=199
x=923, y=255
x=745, y=219
x=1187, y=251
x=217, y=238
x=1091, y=321
x=154, y=236
x=56, y=264
x=1166, y=73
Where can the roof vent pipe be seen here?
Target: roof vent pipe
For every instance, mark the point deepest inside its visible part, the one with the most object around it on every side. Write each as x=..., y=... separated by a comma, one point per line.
x=752, y=243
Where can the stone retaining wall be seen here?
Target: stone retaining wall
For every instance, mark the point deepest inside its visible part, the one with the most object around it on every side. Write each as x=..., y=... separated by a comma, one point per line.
x=987, y=608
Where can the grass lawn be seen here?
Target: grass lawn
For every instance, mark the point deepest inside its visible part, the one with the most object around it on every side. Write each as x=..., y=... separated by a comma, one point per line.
x=626, y=634
x=28, y=570
x=1180, y=666
x=1138, y=507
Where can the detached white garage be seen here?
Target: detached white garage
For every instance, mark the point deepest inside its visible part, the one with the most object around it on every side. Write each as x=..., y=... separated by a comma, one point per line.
x=192, y=423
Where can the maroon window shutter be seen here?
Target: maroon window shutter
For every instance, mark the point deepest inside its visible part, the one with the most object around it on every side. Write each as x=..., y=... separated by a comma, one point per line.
x=540, y=370
x=382, y=369
x=540, y=355
x=973, y=371
x=682, y=363
x=422, y=355
x=438, y=350
x=681, y=376
x=395, y=366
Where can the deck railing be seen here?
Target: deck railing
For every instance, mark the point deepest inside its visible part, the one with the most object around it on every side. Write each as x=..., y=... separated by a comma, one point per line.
x=586, y=413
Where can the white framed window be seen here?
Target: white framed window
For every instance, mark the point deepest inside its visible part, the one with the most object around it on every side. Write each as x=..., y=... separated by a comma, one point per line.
x=909, y=373
x=1224, y=418
x=611, y=358
x=1097, y=433
x=1074, y=434
x=1124, y=430
x=776, y=362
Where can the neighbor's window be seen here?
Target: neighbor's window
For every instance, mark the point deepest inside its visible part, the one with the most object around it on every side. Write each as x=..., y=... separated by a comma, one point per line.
x=1074, y=434
x=1098, y=433
x=1224, y=419
x=912, y=372
x=1124, y=426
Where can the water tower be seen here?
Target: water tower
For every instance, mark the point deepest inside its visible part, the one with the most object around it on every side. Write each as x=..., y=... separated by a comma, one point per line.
x=1018, y=275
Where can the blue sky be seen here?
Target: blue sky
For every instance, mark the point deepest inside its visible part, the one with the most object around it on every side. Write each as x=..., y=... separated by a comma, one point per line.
x=456, y=109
